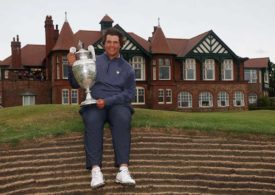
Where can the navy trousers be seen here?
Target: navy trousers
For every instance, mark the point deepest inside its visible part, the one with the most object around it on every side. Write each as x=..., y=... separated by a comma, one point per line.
x=119, y=119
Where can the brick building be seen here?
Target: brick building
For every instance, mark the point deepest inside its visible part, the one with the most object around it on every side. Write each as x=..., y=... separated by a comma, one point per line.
x=197, y=74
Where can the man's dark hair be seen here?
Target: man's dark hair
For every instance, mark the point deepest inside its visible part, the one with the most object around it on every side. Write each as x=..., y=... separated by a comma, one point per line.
x=113, y=32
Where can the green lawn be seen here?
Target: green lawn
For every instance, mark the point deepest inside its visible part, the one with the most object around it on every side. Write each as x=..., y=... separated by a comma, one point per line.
x=17, y=123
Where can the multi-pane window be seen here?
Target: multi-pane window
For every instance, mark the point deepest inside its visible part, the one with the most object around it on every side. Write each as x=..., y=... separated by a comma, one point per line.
x=252, y=98
x=161, y=96
x=209, y=69
x=165, y=96
x=65, y=96
x=28, y=100
x=57, y=68
x=74, y=96
x=154, y=73
x=184, y=100
x=205, y=99
x=65, y=67
x=260, y=76
x=168, y=96
x=250, y=75
x=223, y=99
x=238, y=98
x=6, y=74
x=140, y=96
x=164, y=69
x=227, y=70
x=189, y=69
x=138, y=63
x=266, y=78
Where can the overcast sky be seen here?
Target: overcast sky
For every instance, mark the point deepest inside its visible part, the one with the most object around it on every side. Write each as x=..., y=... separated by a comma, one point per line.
x=247, y=27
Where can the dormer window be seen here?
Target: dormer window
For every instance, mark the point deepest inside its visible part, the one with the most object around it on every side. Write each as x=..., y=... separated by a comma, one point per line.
x=227, y=70
x=189, y=68
x=209, y=69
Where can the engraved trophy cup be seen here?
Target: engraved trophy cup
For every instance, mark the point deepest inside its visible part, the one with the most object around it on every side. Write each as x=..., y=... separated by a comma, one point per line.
x=84, y=70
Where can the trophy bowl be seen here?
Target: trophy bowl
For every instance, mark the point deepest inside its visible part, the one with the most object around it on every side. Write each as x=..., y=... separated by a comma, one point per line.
x=84, y=70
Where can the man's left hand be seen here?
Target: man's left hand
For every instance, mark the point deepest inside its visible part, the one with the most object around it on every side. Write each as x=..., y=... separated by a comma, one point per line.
x=100, y=103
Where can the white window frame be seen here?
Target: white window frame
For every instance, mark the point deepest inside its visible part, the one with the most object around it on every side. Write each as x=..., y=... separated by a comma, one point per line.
x=64, y=67
x=189, y=66
x=227, y=66
x=223, y=99
x=251, y=74
x=238, y=100
x=205, y=97
x=252, y=98
x=65, y=96
x=164, y=64
x=57, y=68
x=6, y=74
x=184, y=99
x=209, y=65
x=168, y=96
x=138, y=64
x=28, y=100
x=266, y=76
x=74, y=96
x=140, y=92
x=160, y=96
x=154, y=73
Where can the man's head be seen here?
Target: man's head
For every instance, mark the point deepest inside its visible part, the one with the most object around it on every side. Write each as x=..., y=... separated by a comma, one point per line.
x=113, y=32
x=112, y=41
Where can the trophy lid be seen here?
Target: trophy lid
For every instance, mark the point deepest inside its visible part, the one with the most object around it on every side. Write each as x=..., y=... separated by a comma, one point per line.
x=82, y=53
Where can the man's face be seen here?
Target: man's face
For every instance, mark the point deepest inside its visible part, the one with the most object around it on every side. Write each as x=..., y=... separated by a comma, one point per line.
x=112, y=46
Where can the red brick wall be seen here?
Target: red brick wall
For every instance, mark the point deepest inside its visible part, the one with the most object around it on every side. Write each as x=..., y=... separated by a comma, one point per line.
x=12, y=91
x=195, y=88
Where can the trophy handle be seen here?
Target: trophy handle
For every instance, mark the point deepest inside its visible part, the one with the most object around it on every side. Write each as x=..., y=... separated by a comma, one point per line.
x=92, y=50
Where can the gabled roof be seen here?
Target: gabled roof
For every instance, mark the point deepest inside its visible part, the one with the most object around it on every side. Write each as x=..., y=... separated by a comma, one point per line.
x=65, y=39
x=136, y=42
x=257, y=63
x=177, y=45
x=31, y=55
x=191, y=43
x=159, y=44
x=87, y=37
x=142, y=42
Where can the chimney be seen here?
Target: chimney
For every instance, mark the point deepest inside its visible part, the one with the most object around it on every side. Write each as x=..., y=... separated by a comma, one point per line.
x=50, y=34
x=16, y=53
x=155, y=28
x=56, y=33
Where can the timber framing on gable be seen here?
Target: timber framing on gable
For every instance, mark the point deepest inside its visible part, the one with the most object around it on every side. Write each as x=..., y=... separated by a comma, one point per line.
x=211, y=46
x=131, y=46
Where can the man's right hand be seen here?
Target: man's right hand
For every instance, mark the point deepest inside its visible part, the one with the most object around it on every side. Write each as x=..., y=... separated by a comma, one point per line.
x=71, y=58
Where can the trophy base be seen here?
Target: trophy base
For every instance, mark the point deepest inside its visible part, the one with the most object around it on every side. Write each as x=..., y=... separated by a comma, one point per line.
x=88, y=102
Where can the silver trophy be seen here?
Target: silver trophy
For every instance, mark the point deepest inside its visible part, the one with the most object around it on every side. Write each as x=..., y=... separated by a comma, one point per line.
x=84, y=70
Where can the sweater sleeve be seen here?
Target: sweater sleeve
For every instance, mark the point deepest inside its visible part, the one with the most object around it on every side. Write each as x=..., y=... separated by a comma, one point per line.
x=128, y=93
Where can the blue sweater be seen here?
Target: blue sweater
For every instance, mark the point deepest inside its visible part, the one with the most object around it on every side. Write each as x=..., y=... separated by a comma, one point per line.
x=115, y=81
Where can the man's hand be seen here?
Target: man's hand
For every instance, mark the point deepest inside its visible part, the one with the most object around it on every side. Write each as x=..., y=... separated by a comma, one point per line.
x=71, y=58
x=100, y=103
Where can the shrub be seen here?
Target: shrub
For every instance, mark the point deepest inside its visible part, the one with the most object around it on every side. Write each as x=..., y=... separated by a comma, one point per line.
x=263, y=101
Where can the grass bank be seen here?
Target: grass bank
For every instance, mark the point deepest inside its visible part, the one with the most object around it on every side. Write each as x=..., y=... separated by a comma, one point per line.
x=20, y=123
